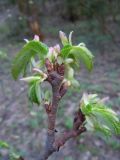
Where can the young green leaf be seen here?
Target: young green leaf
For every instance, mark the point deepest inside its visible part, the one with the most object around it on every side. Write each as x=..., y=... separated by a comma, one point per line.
x=31, y=79
x=65, y=51
x=102, y=118
x=70, y=37
x=34, y=93
x=69, y=74
x=82, y=53
x=77, y=53
x=102, y=129
x=24, y=56
x=63, y=38
x=38, y=92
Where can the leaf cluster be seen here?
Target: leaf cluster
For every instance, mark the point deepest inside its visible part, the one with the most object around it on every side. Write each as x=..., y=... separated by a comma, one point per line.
x=33, y=55
x=99, y=117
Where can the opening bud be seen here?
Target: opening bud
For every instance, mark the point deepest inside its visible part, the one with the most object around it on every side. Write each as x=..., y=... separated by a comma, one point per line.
x=36, y=38
x=63, y=38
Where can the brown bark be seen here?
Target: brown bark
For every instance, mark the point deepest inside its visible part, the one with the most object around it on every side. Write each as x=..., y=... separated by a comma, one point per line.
x=53, y=143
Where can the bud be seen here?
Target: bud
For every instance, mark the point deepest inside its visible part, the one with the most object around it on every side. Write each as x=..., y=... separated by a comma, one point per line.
x=64, y=87
x=51, y=50
x=63, y=38
x=50, y=53
x=57, y=48
x=36, y=38
x=47, y=103
x=60, y=60
x=67, y=82
x=70, y=73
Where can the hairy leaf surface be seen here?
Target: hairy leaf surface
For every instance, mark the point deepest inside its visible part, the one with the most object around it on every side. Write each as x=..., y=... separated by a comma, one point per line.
x=99, y=116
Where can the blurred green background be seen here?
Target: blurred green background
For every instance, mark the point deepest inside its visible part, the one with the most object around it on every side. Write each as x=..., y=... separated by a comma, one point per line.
x=94, y=22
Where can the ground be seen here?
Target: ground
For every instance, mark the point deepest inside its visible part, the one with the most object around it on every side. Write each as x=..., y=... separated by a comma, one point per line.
x=24, y=126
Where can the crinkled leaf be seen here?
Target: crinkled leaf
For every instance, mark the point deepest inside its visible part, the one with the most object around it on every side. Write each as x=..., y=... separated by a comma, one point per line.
x=24, y=56
x=82, y=53
x=103, y=119
x=107, y=118
x=102, y=129
x=78, y=53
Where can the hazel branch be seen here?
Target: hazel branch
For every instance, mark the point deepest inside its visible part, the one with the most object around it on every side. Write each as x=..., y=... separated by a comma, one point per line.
x=78, y=128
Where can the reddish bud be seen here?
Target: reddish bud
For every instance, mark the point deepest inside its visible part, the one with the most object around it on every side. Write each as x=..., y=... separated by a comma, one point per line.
x=36, y=38
x=57, y=48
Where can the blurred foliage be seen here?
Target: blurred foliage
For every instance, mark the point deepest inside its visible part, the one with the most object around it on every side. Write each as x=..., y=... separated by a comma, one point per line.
x=17, y=26
x=3, y=54
x=91, y=19
x=90, y=9
x=32, y=10
x=74, y=10
x=7, y=2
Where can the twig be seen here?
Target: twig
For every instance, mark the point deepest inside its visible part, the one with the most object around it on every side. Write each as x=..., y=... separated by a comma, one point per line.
x=53, y=144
